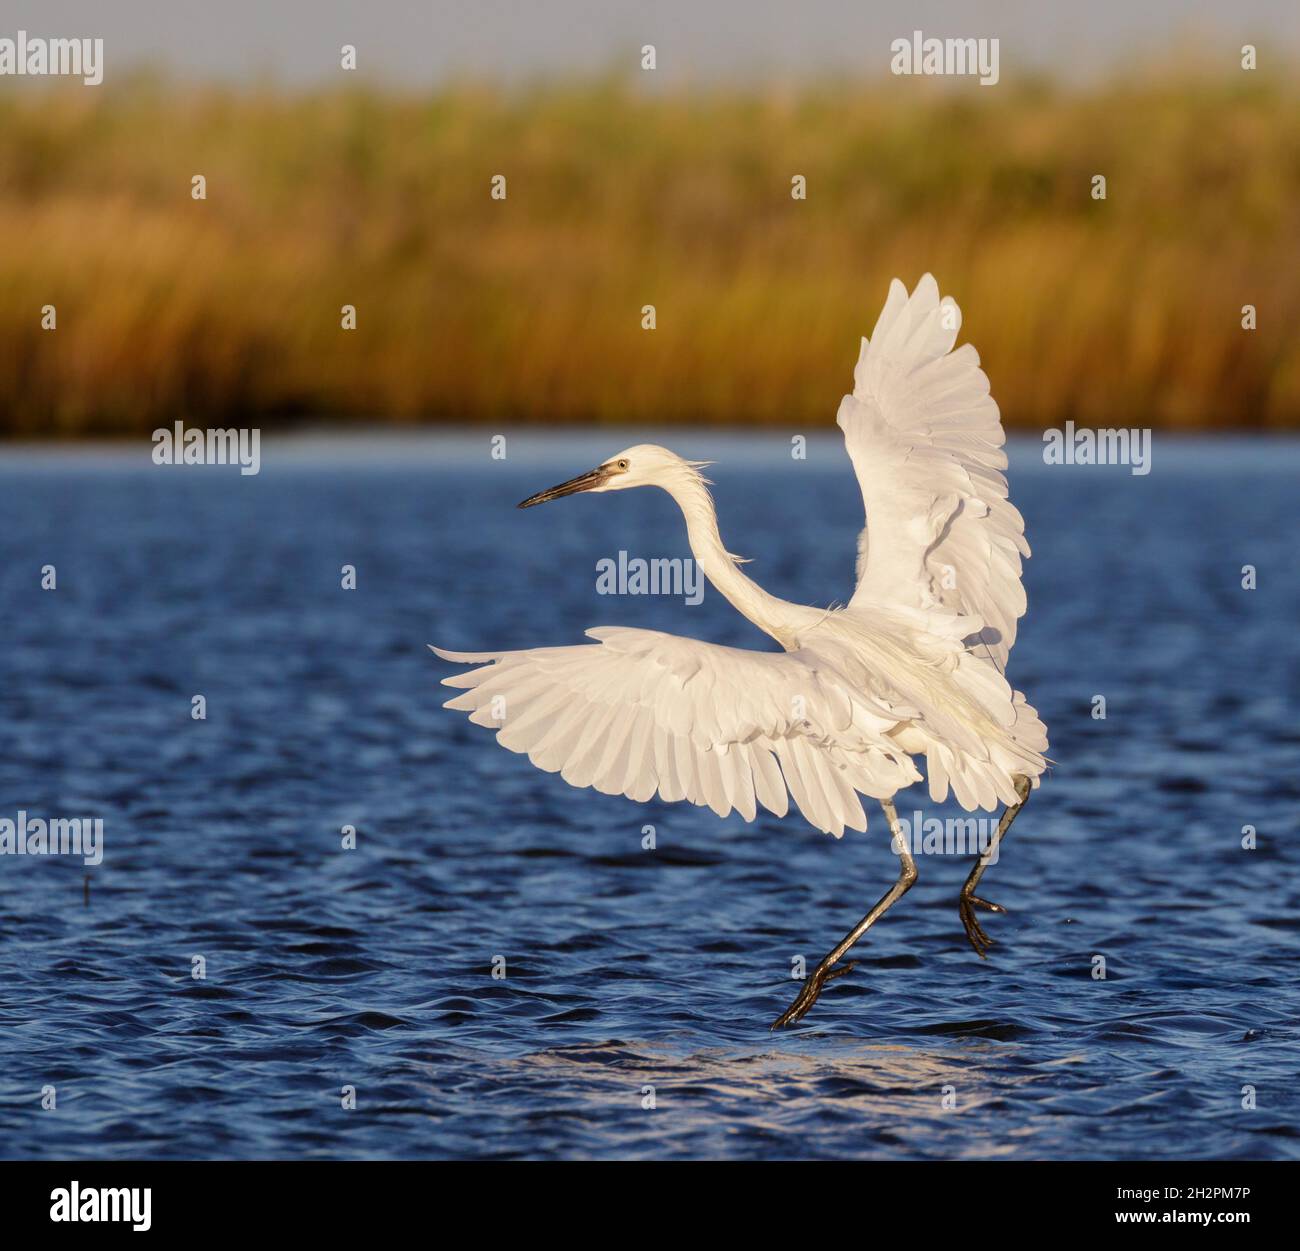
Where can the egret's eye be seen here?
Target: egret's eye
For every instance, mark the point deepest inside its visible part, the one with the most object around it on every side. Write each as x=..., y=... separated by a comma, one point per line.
x=622, y=464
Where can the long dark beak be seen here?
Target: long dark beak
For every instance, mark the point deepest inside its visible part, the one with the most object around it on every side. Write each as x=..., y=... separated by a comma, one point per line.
x=583, y=482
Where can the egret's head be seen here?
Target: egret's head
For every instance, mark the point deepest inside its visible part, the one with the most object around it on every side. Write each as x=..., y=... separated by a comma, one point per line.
x=646, y=464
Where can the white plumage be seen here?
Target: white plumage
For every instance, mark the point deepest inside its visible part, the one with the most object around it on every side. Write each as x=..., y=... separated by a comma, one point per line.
x=925, y=438
x=912, y=669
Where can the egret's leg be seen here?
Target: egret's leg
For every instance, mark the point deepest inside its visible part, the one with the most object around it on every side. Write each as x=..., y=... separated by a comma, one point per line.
x=969, y=901
x=825, y=971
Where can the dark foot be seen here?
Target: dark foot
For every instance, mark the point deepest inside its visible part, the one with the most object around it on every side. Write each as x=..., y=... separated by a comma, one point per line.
x=812, y=987
x=966, y=905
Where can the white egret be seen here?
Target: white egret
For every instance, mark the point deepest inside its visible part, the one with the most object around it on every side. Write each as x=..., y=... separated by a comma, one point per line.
x=912, y=667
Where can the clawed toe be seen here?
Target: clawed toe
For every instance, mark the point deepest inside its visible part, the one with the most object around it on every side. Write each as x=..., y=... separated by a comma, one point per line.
x=808, y=995
x=974, y=930
x=793, y=1012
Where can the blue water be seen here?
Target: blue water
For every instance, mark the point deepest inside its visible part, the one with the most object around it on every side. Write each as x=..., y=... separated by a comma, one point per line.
x=625, y=969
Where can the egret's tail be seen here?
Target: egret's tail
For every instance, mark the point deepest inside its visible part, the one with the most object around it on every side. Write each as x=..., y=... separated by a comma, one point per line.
x=1017, y=749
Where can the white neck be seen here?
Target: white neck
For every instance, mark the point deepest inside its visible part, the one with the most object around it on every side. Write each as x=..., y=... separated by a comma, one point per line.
x=770, y=614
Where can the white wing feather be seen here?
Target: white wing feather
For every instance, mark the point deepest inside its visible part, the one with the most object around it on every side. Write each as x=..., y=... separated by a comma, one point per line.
x=643, y=711
x=925, y=438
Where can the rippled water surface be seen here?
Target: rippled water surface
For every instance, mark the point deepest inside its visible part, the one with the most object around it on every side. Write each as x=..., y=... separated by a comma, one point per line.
x=632, y=976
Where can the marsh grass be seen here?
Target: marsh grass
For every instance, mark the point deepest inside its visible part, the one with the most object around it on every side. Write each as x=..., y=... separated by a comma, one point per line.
x=1110, y=312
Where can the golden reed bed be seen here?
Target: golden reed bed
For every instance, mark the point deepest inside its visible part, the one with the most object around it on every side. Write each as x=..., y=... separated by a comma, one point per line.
x=1126, y=310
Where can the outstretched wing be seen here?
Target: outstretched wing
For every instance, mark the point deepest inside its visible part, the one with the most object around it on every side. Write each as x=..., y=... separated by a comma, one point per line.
x=925, y=438
x=643, y=711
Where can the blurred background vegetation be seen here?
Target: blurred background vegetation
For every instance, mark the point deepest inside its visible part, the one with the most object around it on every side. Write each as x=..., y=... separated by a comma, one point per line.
x=227, y=310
